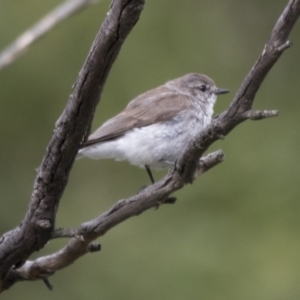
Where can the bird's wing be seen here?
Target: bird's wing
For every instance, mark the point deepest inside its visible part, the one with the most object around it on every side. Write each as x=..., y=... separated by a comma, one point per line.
x=152, y=107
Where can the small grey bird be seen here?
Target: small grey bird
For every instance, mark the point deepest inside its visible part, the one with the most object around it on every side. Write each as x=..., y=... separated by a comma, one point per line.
x=155, y=127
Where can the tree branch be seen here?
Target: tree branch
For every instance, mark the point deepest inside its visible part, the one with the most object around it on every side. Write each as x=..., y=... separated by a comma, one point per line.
x=59, y=14
x=255, y=115
x=52, y=176
x=240, y=107
x=82, y=236
x=71, y=128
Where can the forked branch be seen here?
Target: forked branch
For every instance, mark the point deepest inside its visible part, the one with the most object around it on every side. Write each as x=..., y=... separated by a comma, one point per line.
x=38, y=226
x=240, y=108
x=52, y=176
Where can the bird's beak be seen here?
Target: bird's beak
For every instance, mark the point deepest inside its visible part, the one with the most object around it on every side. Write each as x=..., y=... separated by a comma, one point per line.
x=219, y=91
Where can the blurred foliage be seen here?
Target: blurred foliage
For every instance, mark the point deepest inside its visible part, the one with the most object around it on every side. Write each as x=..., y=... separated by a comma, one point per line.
x=233, y=234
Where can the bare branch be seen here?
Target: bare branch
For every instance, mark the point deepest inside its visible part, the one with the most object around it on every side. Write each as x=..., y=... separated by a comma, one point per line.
x=52, y=176
x=209, y=161
x=59, y=14
x=284, y=46
x=82, y=236
x=261, y=114
x=243, y=100
x=64, y=233
x=71, y=128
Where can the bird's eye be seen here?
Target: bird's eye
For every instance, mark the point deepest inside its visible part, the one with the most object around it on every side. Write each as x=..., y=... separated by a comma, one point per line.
x=203, y=88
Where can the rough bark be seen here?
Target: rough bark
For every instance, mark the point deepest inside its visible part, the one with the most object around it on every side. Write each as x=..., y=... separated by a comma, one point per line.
x=52, y=176
x=38, y=226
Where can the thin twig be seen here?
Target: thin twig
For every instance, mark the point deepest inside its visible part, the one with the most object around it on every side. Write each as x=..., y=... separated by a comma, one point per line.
x=59, y=14
x=255, y=115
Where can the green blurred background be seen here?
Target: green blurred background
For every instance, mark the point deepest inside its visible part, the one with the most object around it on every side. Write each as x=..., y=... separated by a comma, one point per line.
x=234, y=233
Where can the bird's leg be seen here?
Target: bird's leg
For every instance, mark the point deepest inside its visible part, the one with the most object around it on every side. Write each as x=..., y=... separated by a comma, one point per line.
x=151, y=178
x=150, y=174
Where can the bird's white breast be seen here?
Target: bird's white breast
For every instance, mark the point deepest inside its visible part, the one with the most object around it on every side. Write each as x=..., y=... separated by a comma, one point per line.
x=156, y=145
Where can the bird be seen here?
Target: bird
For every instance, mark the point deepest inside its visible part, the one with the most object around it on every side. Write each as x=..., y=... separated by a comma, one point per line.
x=155, y=127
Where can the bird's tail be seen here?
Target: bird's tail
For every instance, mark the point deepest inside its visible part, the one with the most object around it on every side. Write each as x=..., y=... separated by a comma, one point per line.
x=79, y=155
